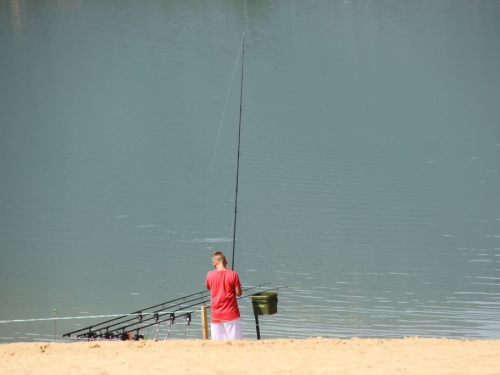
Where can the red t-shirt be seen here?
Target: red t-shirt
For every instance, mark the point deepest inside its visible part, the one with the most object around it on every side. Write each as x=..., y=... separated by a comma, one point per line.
x=222, y=285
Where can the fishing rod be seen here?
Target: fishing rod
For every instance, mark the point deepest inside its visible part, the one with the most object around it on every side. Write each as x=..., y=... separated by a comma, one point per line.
x=113, y=333
x=238, y=159
x=124, y=323
x=110, y=330
x=169, y=304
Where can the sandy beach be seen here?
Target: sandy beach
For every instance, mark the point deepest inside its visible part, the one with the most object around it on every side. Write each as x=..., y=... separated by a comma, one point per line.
x=284, y=356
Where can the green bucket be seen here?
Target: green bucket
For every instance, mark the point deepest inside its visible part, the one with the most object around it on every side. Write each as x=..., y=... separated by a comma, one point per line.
x=265, y=303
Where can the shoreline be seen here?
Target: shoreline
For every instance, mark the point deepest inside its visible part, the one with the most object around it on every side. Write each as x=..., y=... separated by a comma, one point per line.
x=411, y=355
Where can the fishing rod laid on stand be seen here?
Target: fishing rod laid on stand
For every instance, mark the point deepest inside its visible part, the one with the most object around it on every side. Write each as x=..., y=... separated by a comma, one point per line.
x=121, y=327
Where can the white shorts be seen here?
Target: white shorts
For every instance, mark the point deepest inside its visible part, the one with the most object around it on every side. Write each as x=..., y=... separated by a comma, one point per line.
x=227, y=330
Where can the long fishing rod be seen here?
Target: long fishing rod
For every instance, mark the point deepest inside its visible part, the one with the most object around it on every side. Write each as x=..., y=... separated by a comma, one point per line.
x=238, y=159
x=170, y=303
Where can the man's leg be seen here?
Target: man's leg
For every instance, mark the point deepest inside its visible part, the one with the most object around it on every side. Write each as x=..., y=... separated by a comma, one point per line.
x=218, y=331
x=233, y=330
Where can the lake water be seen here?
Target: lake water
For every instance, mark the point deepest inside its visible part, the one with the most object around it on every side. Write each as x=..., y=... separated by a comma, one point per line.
x=369, y=175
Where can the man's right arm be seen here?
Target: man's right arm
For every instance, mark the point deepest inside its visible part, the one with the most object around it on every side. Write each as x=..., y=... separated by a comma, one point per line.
x=237, y=291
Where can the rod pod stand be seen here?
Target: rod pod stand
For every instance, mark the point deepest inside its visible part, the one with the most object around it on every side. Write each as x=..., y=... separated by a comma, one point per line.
x=257, y=328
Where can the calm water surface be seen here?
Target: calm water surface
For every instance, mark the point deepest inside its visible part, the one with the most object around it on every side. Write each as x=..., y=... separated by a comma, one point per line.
x=369, y=171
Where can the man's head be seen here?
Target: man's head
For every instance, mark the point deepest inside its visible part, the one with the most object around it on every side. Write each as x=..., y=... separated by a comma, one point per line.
x=218, y=258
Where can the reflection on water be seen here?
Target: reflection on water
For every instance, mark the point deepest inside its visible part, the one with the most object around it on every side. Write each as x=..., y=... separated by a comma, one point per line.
x=17, y=21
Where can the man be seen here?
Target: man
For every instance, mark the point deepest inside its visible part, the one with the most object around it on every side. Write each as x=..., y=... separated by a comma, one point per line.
x=224, y=286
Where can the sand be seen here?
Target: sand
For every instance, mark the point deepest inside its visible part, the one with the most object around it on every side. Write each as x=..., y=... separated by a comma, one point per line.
x=284, y=356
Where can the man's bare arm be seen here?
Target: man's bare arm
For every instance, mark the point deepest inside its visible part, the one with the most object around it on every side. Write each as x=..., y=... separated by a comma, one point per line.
x=237, y=291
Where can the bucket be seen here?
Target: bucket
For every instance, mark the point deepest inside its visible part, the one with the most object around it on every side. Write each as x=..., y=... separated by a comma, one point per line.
x=265, y=303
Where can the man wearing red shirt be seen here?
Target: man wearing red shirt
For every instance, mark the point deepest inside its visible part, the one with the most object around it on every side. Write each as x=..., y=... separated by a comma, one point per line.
x=224, y=286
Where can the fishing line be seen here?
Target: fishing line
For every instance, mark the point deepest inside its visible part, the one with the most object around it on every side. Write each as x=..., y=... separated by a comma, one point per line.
x=218, y=135
x=84, y=317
